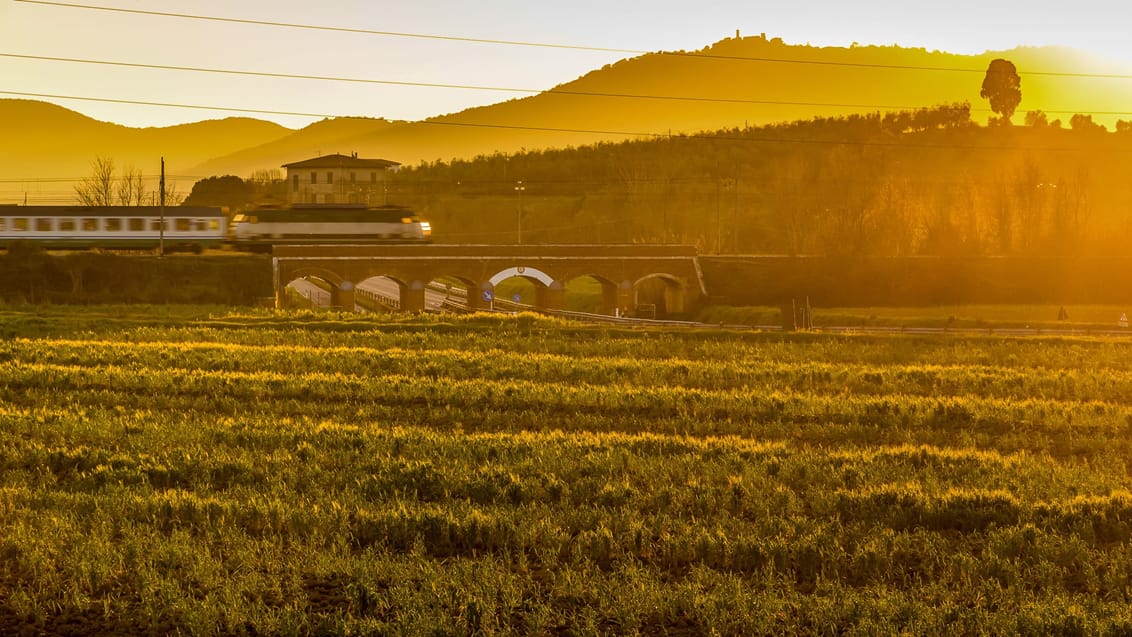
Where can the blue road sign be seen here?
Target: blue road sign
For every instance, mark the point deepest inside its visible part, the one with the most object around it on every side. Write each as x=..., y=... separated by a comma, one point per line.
x=488, y=295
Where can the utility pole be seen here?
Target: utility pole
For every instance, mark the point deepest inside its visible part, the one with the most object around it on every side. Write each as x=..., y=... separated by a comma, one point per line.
x=718, y=230
x=161, y=239
x=519, y=188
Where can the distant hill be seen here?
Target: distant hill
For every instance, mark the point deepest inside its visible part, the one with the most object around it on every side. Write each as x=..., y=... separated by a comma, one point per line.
x=42, y=140
x=326, y=137
x=734, y=83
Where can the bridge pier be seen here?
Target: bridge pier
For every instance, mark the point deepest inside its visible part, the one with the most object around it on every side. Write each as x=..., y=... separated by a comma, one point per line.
x=476, y=300
x=342, y=296
x=674, y=300
x=616, y=299
x=413, y=297
x=551, y=297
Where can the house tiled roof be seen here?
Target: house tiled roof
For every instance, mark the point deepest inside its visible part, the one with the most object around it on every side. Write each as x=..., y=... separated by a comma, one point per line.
x=342, y=161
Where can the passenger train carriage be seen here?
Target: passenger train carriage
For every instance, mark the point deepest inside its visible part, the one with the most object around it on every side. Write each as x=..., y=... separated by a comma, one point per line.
x=113, y=227
x=196, y=228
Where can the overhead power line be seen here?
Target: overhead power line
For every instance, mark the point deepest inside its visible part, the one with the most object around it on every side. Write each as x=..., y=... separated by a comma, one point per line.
x=550, y=45
x=312, y=27
x=681, y=98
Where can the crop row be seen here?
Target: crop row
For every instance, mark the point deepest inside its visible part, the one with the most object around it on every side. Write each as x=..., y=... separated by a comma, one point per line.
x=738, y=373
x=1062, y=428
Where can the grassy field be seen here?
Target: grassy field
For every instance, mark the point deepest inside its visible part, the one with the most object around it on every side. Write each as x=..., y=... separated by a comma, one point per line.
x=202, y=472
x=1075, y=317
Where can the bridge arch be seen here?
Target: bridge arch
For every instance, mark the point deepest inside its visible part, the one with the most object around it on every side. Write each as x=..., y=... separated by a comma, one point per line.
x=624, y=272
x=617, y=296
x=525, y=272
x=665, y=291
x=315, y=286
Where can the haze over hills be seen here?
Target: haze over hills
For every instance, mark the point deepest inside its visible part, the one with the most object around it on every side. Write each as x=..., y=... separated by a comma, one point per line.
x=42, y=140
x=734, y=83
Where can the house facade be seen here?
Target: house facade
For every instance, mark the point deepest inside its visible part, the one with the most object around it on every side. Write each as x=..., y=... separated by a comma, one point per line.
x=331, y=179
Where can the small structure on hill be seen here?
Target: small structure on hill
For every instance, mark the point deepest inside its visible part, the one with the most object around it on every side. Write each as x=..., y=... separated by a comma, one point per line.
x=338, y=179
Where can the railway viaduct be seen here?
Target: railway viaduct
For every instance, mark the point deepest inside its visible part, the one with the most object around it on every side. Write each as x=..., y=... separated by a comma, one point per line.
x=619, y=269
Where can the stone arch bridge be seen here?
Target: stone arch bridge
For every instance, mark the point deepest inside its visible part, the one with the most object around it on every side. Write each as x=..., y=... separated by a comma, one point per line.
x=619, y=268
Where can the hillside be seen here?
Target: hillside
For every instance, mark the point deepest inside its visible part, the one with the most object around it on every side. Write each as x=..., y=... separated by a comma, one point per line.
x=326, y=137
x=930, y=182
x=732, y=84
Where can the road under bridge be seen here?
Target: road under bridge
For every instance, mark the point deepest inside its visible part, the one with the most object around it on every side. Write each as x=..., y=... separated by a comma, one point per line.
x=620, y=269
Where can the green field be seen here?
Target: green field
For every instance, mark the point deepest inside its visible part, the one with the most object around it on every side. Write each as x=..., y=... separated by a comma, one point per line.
x=202, y=472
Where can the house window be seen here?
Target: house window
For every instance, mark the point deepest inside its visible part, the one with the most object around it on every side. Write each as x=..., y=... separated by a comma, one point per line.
x=314, y=178
x=44, y=225
x=353, y=177
x=373, y=178
x=295, y=183
x=329, y=178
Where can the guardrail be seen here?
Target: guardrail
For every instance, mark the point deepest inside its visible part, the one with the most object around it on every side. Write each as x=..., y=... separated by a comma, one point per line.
x=376, y=299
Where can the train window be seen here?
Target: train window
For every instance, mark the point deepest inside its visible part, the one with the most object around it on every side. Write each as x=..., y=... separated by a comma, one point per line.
x=3, y=224
x=182, y=225
x=159, y=225
x=114, y=224
x=66, y=225
x=44, y=225
x=90, y=224
x=137, y=225
x=19, y=224
x=213, y=225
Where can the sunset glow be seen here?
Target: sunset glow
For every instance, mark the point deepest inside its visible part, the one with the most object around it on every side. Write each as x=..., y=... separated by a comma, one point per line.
x=619, y=30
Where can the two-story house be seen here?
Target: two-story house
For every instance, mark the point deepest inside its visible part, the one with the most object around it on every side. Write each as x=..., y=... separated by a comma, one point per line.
x=338, y=179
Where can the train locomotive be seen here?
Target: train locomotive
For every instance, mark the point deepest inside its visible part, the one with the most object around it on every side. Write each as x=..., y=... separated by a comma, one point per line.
x=328, y=223
x=194, y=228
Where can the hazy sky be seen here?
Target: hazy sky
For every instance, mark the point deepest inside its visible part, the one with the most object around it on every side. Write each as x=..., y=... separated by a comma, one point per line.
x=35, y=29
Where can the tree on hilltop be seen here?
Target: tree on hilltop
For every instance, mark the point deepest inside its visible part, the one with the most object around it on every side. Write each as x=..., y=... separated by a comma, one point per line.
x=1003, y=87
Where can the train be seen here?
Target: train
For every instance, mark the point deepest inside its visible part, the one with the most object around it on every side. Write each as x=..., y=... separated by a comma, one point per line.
x=197, y=228
x=328, y=223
